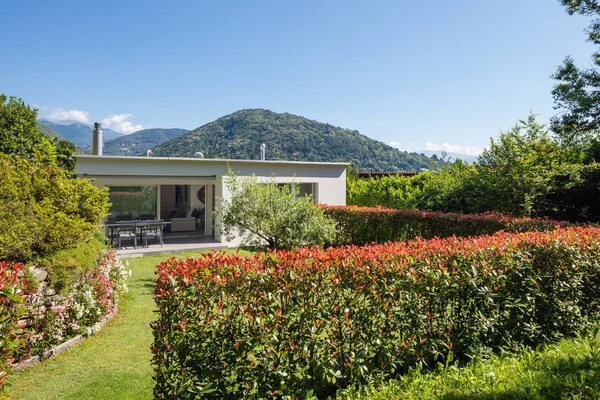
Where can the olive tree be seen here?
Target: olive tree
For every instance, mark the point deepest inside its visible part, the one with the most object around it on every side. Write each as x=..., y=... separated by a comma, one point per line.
x=265, y=213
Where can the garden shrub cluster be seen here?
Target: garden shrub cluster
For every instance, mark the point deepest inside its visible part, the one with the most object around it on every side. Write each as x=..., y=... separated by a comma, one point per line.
x=44, y=210
x=308, y=322
x=15, y=285
x=33, y=317
x=362, y=225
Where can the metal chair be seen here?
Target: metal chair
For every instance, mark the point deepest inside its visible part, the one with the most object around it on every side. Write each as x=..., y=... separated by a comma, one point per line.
x=152, y=229
x=127, y=230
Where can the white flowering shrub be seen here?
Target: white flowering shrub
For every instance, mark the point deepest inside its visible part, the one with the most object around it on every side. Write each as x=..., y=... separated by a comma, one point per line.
x=56, y=318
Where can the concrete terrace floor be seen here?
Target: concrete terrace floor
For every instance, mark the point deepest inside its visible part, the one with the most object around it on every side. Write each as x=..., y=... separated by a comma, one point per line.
x=172, y=245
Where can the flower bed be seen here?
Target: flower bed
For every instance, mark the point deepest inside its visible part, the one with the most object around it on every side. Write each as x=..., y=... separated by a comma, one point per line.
x=33, y=318
x=312, y=321
x=362, y=225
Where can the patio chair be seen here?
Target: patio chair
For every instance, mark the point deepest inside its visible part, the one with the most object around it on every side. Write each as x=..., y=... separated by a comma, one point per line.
x=152, y=229
x=127, y=230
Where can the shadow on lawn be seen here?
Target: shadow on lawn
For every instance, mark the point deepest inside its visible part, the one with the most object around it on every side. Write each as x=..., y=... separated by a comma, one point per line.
x=143, y=286
x=556, y=378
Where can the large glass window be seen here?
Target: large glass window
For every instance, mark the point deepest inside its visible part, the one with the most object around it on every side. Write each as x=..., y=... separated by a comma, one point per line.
x=132, y=203
x=304, y=189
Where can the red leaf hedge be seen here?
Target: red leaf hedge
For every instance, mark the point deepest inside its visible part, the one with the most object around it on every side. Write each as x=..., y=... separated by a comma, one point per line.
x=362, y=225
x=314, y=320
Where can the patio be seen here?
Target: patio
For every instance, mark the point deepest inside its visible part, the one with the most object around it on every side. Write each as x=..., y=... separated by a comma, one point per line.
x=174, y=242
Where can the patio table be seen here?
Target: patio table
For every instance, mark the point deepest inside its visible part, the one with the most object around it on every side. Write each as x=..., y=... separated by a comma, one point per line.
x=113, y=229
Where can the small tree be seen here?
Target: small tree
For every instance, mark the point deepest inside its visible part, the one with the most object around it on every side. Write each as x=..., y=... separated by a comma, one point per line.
x=272, y=214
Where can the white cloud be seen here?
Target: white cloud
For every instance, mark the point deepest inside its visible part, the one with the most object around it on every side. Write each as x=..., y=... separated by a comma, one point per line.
x=121, y=123
x=60, y=114
x=457, y=148
x=396, y=144
x=39, y=107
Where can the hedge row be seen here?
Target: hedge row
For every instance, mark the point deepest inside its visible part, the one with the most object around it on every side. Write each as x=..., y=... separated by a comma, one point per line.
x=311, y=321
x=362, y=225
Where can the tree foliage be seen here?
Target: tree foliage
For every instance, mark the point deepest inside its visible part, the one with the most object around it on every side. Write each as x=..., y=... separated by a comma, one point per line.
x=20, y=136
x=515, y=170
x=577, y=92
x=525, y=172
x=272, y=214
x=18, y=132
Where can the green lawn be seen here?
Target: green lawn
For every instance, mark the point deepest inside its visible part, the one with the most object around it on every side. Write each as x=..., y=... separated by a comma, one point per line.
x=114, y=364
x=569, y=369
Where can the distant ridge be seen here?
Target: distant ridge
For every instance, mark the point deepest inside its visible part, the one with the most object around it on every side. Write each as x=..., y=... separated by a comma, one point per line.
x=289, y=137
x=449, y=155
x=138, y=143
x=78, y=133
x=47, y=131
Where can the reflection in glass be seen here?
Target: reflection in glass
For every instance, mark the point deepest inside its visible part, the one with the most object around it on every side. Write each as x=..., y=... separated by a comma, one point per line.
x=132, y=203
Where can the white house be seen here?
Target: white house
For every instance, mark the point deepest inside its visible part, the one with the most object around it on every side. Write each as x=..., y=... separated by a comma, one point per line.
x=184, y=191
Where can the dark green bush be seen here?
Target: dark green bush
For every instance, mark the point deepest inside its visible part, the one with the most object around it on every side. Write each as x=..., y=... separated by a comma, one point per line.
x=573, y=194
x=293, y=324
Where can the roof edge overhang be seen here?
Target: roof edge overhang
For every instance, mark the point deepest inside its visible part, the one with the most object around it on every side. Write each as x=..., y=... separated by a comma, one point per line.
x=204, y=160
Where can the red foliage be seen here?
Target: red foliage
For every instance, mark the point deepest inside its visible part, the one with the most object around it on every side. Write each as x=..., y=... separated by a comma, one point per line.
x=319, y=319
x=361, y=225
x=14, y=286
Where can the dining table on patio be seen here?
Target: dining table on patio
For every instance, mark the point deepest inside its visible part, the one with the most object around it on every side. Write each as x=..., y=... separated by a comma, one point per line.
x=118, y=231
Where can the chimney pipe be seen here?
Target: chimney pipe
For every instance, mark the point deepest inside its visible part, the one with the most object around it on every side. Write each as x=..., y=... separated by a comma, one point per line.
x=97, y=139
x=262, y=151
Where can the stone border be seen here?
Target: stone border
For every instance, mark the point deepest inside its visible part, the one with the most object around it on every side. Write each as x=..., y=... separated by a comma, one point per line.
x=66, y=345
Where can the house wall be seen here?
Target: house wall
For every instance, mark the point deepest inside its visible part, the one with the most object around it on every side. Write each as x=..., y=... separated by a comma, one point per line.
x=328, y=179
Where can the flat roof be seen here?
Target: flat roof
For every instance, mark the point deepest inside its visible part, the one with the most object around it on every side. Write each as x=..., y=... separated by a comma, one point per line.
x=200, y=160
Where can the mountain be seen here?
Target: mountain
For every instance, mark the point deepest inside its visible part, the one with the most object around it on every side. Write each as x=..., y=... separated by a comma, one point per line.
x=63, y=122
x=47, y=131
x=449, y=154
x=77, y=133
x=289, y=137
x=139, y=142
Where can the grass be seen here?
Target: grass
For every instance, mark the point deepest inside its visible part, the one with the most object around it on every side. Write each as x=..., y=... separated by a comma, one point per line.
x=569, y=369
x=114, y=364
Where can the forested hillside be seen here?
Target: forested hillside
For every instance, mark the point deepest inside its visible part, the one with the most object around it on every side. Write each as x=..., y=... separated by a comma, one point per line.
x=289, y=137
x=48, y=131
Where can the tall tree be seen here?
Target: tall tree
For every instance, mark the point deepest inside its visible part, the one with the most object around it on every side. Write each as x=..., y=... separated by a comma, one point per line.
x=18, y=132
x=577, y=92
x=20, y=136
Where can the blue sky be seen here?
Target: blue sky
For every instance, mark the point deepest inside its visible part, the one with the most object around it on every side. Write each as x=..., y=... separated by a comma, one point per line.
x=417, y=75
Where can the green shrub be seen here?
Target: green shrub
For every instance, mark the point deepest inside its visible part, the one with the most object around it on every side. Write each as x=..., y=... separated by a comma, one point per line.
x=293, y=324
x=66, y=266
x=43, y=210
x=402, y=192
x=362, y=225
